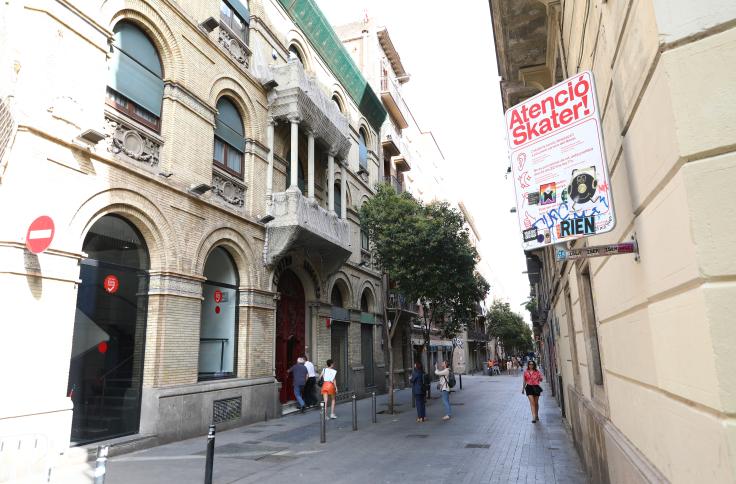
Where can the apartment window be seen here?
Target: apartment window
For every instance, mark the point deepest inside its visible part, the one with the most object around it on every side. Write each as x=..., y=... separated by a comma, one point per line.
x=592, y=325
x=229, y=140
x=338, y=199
x=135, y=86
x=364, y=244
x=294, y=51
x=236, y=16
x=336, y=100
x=362, y=150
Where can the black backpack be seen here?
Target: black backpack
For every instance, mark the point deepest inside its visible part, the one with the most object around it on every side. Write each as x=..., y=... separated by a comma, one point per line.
x=451, y=381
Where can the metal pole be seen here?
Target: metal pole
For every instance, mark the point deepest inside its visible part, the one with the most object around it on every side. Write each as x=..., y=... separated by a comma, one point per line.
x=373, y=405
x=100, y=466
x=461, y=380
x=210, y=461
x=322, y=426
x=355, y=413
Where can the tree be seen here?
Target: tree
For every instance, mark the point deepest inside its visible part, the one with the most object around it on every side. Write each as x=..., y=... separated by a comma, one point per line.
x=509, y=328
x=426, y=250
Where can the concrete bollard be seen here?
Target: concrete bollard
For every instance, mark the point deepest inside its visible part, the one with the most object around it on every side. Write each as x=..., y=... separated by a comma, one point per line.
x=322, y=423
x=373, y=406
x=355, y=413
x=101, y=464
x=210, y=461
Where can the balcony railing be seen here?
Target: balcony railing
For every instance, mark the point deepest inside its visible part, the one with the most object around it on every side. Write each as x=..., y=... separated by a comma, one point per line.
x=391, y=97
x=301, y=222
x=396, y=300
x=394, y=182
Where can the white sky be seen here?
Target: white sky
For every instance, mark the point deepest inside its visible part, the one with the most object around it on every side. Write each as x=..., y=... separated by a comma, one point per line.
x=454, y=92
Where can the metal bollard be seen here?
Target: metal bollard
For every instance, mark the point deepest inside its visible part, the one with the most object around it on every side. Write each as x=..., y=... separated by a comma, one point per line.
x=210, y=461
x=322, y=425
x=101, y=464
x=461, y=380
x=355, y=413
x=373, y=406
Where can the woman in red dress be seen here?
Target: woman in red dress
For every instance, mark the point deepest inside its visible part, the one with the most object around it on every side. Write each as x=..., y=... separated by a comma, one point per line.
x=532, y=379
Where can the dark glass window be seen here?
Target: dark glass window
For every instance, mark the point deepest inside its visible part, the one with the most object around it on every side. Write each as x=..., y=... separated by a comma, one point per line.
x=338, y=199
x=237, y=17
x=135, y=85
x=229, y=140
x=336, y=297
x=364, y=245
x=362, y=150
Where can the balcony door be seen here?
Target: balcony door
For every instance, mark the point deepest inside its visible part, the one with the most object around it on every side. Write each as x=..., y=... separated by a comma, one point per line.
x=290, y=329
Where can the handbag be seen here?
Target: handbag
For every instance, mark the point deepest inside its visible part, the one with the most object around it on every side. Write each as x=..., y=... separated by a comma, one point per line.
x=321, y=380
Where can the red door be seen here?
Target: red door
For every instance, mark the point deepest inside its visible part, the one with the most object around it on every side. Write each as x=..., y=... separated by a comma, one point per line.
x=290, y=326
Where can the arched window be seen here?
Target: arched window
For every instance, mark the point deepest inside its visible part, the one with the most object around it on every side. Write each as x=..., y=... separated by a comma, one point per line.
x=295, y=52
x=336, y=100
x=229, y=138
x=336, y=297
x=236, y=17
x=135, y=86
x=338, y=199
x=362, y=150
x=365, y=302
x=217, y=330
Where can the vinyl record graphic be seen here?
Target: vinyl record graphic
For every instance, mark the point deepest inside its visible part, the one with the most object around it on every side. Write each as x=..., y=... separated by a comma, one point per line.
x=583, y=185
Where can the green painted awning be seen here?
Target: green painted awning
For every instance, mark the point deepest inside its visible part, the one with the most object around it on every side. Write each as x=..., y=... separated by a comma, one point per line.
x=310, y=19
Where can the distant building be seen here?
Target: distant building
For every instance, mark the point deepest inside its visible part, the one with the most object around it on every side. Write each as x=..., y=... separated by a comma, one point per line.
x=639, y=353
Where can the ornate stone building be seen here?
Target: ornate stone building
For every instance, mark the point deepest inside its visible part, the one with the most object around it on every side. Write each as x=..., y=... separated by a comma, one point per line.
x=639, y=350
x=203, y=163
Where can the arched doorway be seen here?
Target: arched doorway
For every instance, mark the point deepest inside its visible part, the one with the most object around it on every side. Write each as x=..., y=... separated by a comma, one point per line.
x=290, y=327
x=106, y=366
x=339, y=333
x=366, y=336
x=218, y=320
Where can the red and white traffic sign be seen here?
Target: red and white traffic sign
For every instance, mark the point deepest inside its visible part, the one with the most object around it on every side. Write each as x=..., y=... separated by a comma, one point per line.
x=111, y=284
x=40, y=234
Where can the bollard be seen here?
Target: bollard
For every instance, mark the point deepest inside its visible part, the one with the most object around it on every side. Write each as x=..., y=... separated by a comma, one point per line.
x=101, y=464
x=322, y=427
x=210, y=461
x=461, y=380
x=373, y=406
x=355, y=413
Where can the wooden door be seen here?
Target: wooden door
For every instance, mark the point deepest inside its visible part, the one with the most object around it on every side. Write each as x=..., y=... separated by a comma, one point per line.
x=290, y=328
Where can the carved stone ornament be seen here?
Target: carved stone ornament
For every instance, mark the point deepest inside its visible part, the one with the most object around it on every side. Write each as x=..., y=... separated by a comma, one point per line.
x=133, y=143
x=233, y=46
x=228, y=189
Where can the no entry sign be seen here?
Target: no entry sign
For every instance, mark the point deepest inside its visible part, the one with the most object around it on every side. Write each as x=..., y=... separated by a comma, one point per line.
x=40, y=234
x=559, y=164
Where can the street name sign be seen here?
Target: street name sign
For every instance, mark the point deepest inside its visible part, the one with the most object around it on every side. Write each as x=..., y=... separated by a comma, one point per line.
x=559, y=164
x=596, y=251
x=40, y=234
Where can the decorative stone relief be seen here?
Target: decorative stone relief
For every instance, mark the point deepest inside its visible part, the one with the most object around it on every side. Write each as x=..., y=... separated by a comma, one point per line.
x=131, y=143
x=174, y=284
x=227, y=189
x=233, y=46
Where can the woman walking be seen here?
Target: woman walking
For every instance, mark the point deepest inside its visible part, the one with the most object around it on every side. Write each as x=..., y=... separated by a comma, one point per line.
x=417, y=389
x=442, y=371
x=532, y=379
x=329, y=385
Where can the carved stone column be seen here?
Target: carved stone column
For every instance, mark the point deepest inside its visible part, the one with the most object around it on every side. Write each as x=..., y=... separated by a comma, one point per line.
x=294, y=120
x=331, y=181
x=310, y=161
x=343, y=191
x=269, y=171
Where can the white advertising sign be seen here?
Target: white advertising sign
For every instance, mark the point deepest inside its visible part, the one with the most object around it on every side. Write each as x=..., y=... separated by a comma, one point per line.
x=559, y=164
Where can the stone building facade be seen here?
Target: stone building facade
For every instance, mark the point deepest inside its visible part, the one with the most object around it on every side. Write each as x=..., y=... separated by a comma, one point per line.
x=205, y=218
x=638, y=349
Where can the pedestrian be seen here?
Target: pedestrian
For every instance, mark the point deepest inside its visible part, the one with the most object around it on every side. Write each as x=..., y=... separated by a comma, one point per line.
x=441, y=370
x=329, y=385
x=310, y=398
x=419, y=392
x=496, y=367
x=490, y=366
x=532, y=379
x=299, y=379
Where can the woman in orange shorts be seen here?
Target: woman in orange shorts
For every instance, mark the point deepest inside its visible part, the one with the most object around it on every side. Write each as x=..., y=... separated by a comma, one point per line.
x=329, y=385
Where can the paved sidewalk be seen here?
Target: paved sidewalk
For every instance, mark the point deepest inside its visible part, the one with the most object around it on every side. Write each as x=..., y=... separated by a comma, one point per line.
x=490, y=439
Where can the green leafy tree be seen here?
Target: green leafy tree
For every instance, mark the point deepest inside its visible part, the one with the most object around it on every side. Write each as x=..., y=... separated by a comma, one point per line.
x=509, y=328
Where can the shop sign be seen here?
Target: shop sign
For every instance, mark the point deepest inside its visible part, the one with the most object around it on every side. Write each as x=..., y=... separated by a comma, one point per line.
x=559, y=164
x=111, y=284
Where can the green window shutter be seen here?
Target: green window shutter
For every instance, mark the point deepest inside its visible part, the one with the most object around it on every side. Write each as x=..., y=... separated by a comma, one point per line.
x=240, y=9
x=229, y=125
x=135, y=68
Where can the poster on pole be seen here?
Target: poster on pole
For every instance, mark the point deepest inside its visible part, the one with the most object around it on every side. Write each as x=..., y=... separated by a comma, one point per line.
x=558, y=162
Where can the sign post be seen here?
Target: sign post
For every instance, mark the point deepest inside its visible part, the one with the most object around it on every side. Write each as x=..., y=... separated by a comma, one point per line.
x=559, y=164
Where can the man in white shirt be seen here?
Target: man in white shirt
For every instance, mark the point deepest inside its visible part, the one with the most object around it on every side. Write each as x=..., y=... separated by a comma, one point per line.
x=310, y=400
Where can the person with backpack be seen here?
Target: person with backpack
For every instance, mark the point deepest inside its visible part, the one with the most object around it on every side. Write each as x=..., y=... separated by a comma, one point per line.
x=419, y=391
x=442, y=371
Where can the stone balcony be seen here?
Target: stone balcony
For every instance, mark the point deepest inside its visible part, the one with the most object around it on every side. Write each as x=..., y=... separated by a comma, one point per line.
x=299, y=222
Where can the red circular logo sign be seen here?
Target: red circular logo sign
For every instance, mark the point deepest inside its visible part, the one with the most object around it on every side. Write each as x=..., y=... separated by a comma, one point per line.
x=111, y=284
x=218, y=296
x=217, y=309
x=102, y=347
x=40, y=234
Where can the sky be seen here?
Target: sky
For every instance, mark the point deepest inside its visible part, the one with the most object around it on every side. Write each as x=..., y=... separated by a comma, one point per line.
x=454, y=92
